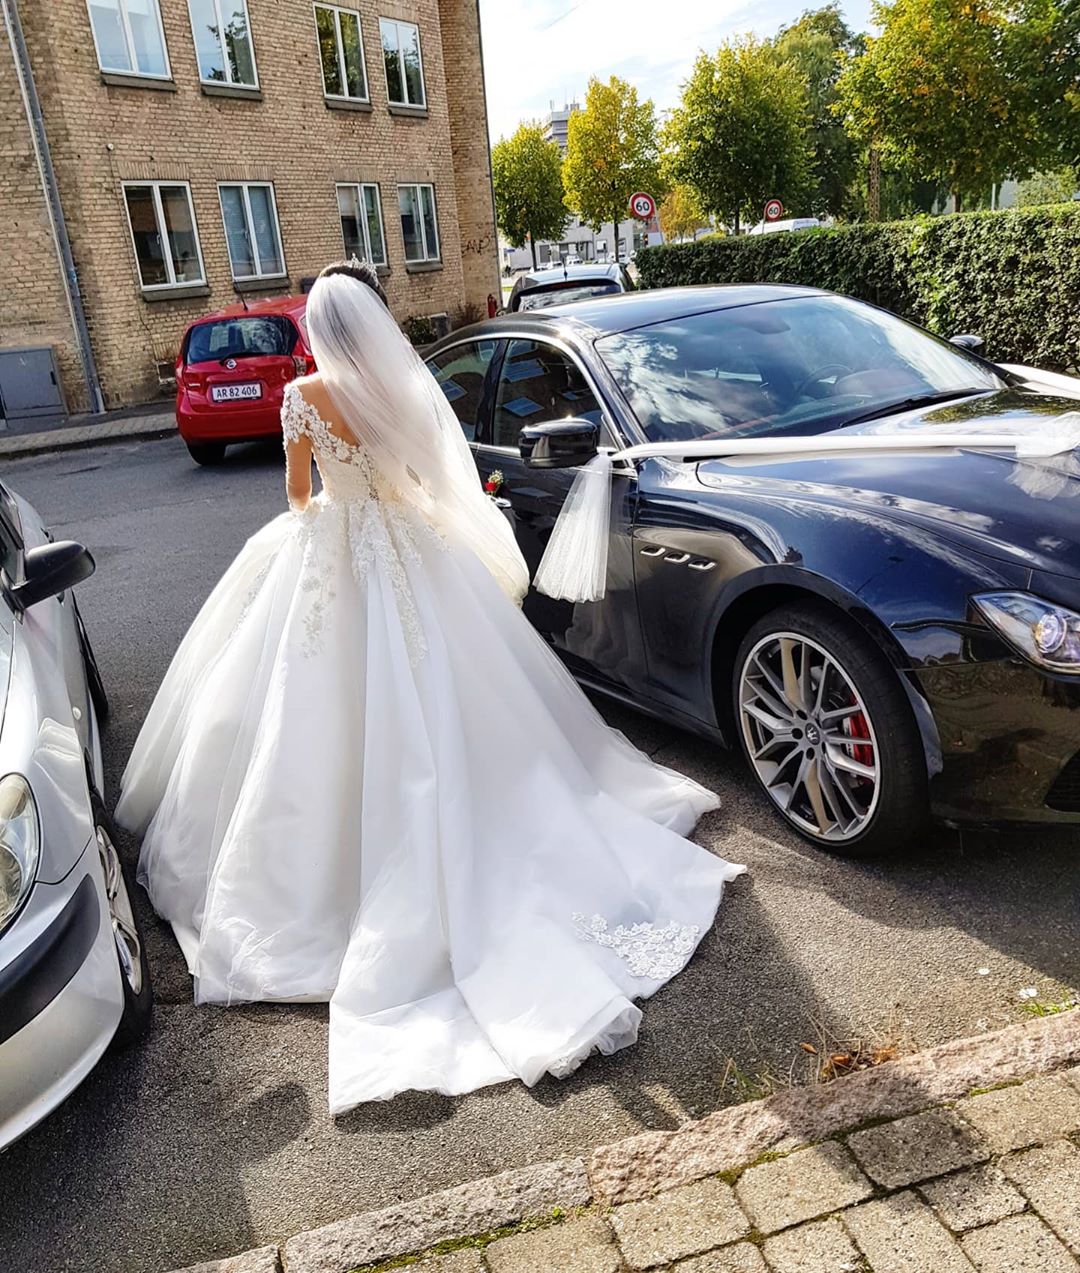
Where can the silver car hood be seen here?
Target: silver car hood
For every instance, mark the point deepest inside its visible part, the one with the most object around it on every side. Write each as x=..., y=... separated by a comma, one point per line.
x=38, y=743
x=7, y=641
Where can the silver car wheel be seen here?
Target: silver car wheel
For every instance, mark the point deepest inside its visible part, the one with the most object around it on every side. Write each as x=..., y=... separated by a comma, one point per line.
x=125, y=933
x=809, y=736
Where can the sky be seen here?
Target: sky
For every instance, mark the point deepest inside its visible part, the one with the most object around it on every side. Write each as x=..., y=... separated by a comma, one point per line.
x=539, y=51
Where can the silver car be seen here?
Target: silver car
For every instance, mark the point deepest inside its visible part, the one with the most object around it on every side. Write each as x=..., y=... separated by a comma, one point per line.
x=73, y=974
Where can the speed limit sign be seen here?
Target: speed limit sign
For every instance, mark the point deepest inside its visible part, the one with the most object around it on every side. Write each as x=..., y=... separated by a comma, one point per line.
x=774, y=210
x=643, y=206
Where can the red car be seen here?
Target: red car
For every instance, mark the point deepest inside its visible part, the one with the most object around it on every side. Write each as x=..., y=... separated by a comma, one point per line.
x=232, y=370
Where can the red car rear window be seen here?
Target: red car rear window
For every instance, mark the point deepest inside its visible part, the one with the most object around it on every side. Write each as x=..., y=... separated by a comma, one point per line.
x=248, y=336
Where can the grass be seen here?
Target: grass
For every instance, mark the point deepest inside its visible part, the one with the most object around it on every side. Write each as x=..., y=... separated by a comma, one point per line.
x=837, y=1055
x=827, y=1057
x=996, y=1087
x=752, y=1085
x=475, y=1241
x=1043, y=1008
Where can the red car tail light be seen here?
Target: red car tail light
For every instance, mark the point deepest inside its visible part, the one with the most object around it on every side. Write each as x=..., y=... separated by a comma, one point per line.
x=304, y=364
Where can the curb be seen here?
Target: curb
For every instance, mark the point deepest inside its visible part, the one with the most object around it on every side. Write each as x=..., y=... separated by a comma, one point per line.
x=49, y=440
x=643, y=1165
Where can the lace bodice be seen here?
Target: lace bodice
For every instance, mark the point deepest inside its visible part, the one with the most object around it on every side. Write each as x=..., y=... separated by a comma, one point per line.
x=359, y=512
x=346, y=471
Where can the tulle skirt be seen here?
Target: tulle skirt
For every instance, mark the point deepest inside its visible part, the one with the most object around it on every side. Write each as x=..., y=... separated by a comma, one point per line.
x=366, y=779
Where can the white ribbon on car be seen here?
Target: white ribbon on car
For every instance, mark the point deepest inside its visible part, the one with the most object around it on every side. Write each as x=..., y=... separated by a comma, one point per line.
x=574, y=565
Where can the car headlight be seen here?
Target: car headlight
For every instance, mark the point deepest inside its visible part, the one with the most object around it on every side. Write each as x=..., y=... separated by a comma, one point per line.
x=1046, y=634
x=20, y=845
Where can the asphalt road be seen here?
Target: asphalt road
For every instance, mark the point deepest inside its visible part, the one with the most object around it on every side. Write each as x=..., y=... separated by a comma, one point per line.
x=214, y=1136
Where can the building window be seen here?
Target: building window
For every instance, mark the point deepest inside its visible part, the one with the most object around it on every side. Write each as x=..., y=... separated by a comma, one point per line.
x=419, y=227
x=341, y=49
x=129, y=37
x=223, y=42
x=251, y=228
x=361, y=223
x=404, y=69
x=164, y=234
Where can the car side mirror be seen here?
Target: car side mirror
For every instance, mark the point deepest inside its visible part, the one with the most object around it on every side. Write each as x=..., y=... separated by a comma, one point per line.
x=562, y=444
x=50, y=570
x=969, y=341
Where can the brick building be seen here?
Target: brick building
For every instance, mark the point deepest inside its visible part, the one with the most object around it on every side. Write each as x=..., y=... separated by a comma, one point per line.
x=205, y=148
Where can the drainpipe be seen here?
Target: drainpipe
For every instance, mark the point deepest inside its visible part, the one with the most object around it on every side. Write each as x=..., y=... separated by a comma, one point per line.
x=32, y=106
x=487, y=135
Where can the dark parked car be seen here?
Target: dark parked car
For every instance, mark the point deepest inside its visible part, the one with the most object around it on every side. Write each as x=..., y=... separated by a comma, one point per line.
x=559, y=284
x=884, y=636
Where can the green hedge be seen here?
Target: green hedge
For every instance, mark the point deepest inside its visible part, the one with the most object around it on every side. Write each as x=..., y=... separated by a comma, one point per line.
x=1013, y=277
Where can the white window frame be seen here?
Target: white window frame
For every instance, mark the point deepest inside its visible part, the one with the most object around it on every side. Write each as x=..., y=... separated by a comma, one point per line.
x=360, y=187
x=159, y=215
x=398, y=22
x=338, y=10
x=427, y=258
x=224, y=52
x=129, y=39
x=244, y=187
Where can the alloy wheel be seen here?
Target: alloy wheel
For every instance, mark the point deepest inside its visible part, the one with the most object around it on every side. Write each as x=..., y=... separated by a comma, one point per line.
x=809, y=736
x=125, y=933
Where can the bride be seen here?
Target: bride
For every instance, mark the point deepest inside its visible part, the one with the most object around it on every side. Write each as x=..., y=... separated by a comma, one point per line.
x=366, y=779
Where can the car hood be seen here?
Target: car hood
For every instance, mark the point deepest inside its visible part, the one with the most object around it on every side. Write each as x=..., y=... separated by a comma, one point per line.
x=1025, y=511
x=7, y=641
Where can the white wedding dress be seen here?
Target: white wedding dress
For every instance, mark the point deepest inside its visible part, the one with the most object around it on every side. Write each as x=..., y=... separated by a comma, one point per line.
x=366, y=779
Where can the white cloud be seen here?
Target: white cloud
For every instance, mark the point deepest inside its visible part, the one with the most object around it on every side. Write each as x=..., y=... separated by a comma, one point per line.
x=540, y=51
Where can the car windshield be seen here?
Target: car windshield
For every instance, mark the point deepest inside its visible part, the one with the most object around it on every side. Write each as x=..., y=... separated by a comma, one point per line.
x=804, y=365
x=249, y=336
x=560, y=295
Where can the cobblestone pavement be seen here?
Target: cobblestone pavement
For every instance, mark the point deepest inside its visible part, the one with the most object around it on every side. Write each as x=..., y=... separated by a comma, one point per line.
x=989, y=1183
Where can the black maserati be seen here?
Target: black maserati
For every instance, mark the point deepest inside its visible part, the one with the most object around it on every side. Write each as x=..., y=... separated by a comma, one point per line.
x=885, y=636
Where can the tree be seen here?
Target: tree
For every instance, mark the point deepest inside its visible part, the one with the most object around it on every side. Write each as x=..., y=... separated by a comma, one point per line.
x=526, y=172
x=1043, y=54
x=612, y=151
x=934, y=93
x=740, y=134
x=813, y=46
x=681, y=215
x=1048, y=187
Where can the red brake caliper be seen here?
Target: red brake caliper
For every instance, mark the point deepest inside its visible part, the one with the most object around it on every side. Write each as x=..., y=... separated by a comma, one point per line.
x=857, y=726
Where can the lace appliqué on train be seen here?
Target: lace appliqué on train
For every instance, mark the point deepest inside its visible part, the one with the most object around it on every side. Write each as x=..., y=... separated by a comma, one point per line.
x=318, y=585
x=650, y=951
x=380, y=534
x=250, y=597
x=317, y=575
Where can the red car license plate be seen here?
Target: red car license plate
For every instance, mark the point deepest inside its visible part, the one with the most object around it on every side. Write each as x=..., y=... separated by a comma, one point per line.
x=234, y=393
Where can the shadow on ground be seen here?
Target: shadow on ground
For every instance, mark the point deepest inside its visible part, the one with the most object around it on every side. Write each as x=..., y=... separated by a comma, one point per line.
x=214, y=1135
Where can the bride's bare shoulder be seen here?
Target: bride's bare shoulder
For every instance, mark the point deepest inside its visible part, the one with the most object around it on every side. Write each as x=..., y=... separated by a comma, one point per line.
x=312, y=389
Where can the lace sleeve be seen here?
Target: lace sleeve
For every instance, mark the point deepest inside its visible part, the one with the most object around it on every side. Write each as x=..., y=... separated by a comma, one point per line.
x=292, y=414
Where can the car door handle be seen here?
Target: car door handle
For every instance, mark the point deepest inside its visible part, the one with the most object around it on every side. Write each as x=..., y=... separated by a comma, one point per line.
x=677, y=559
x=653, y=552
x=702, y=565
x=501, y=502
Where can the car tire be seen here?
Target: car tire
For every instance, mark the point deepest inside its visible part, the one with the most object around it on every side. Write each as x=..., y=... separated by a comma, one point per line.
x=846, y=767
x=207, y=453
x=130, y=946
x=94, y=683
